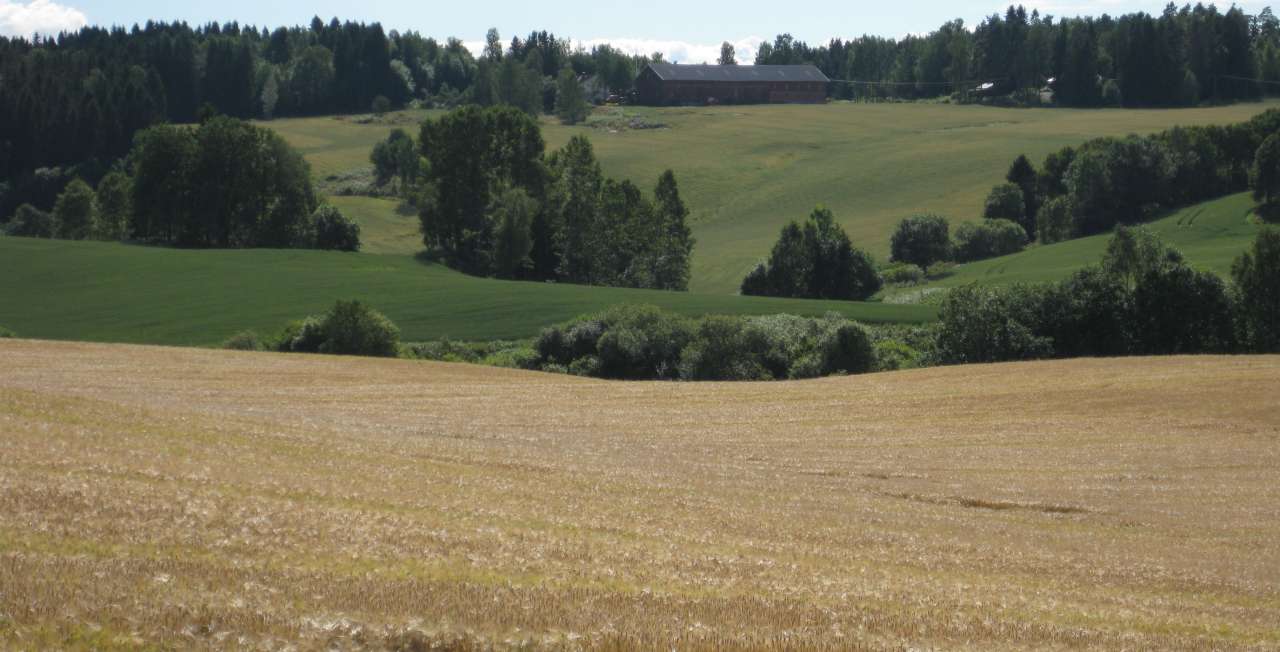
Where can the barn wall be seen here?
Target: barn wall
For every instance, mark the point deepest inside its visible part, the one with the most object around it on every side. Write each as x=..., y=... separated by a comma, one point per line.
x=655, y=91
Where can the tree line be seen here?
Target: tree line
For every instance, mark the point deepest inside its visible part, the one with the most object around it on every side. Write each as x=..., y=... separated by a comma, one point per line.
x=1105, y=182
x=223, y=184
x=1142, y=299
x=77, y=100
x=492, y=203
x=1181, y=57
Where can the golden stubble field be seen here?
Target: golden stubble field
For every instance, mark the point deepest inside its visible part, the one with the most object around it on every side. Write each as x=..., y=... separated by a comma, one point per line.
x=187, y=499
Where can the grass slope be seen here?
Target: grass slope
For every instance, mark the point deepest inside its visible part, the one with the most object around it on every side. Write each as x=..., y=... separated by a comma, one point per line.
x=177, y=499
x=383, y=228
x=745, y=171
x=1211, y=236
x=119, y=293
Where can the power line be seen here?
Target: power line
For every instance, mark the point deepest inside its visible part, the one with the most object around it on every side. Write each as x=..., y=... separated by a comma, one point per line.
x=893, y=83
x=1246, y=79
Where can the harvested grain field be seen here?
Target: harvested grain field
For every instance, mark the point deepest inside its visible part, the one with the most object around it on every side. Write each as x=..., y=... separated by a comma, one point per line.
x=181, y=498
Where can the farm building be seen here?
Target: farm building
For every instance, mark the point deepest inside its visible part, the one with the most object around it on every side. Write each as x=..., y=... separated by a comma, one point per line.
x=661, y=84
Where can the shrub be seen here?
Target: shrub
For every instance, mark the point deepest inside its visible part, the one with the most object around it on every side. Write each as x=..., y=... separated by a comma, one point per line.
x=244, y=341
x=380, y=105
x=644, y=342
x=304, y=336
x=585, y=366
x=641, y=342
x=892, y=355
x=5, y=333
x=349, y=328
x=1181, y=310
x=940, y=269
x=1054, y=221
x=777, y=342
x=716, y=353
x=904, y=274
x=352, y=328
x=443, y=350
x=983, y=324
x=32, y=222
x=1257, y=293
x=335, y=231
x=921, y=240
x=1092, y=313
x=1006, y=202
x=552, y=346
x=76, y=211
x=850, y=351
x=989, y=239
x=583, y=337
x=513, y=358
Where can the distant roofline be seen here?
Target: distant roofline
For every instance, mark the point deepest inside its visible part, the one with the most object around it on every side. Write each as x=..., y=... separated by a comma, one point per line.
x=733, y=73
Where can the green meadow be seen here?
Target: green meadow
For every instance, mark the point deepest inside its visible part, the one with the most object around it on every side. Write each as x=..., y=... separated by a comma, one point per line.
x=107, y=292
x=746, y=170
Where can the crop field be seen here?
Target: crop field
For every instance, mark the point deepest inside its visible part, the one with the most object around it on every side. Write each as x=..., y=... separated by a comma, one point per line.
x=106, y=292
x=746, y=170
x=158, y=498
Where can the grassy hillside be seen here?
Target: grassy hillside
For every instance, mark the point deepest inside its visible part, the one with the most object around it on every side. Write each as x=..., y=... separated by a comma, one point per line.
x=745, y=171
x=177, y=498
x=119, y=293
x=1211, y=236
x=383, y=228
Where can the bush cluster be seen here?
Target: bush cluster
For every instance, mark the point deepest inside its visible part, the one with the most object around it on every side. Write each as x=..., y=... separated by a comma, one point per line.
x=497, y=353
x=646, y=343
x=349, y=328
x=988, y=239
x=903, y=274
x=925, y=241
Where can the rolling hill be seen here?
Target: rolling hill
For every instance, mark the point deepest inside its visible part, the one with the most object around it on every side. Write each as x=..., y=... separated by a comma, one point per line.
x=166, y=498
x=1210, y=235
x=746, y=170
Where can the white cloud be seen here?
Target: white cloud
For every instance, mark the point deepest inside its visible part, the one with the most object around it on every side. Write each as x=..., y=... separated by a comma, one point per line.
x=682, y=51
x=46, y=17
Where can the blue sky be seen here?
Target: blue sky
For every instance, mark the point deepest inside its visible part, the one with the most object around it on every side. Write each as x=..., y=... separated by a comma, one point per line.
x=684, y=30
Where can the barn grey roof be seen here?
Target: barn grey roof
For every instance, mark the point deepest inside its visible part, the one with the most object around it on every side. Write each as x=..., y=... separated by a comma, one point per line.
x=683, y=72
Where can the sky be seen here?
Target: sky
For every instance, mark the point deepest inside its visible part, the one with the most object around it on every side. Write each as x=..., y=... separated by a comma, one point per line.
x=683, y=30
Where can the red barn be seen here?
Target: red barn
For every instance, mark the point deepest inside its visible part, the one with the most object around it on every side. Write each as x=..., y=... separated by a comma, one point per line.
x=662, y=84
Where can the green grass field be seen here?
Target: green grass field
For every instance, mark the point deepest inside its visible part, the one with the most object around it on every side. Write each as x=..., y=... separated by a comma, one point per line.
x=745, y=171
x=383, y=228
x=1211, y=236
x=106, y=292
